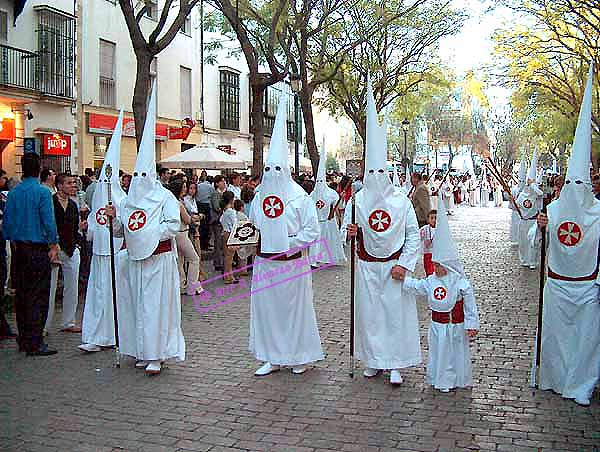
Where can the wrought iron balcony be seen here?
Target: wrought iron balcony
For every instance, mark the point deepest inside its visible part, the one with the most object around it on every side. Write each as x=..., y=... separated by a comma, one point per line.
x=18, y=68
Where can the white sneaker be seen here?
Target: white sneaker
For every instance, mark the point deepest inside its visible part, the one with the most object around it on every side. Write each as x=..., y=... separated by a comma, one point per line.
x=444, y=390
x=153, y=367
x=89, y=348
x=582, y=402
x=532, y=267
x=141, y=364
x=298, y=370
x=266, y=369
x=369, y=372
x=395, y=377
x=197, y=291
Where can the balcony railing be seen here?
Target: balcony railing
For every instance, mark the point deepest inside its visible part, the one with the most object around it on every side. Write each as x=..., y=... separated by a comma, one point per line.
x=107, y=92
x=18, y=68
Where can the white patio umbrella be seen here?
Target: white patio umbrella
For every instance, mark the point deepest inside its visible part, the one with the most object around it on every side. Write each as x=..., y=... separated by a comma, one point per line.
x=205, y=157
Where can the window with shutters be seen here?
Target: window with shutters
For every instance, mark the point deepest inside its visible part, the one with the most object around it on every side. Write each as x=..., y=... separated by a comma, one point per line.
x=56, y=51
x=107, y=74
x=186, y=26
x=185, y=91
x=229, y=100
x=3, y=26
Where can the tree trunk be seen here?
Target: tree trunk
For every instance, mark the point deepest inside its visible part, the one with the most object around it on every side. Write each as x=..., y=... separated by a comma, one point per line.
x=258, y=126
x=309, y=126
x=361, y=128
x=141, y=93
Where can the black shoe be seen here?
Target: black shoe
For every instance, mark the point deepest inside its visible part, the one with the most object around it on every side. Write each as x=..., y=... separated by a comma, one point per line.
x=43, y=351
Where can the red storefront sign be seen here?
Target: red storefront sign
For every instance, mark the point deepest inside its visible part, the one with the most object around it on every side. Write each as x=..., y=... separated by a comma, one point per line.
x=7, y=129
x=183, y=132
x=105, y=124
x=57, y=144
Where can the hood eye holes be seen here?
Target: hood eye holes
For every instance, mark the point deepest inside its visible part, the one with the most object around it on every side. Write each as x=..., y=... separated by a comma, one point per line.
x=380, y=171
x=371, y=171
x=567, y=182
x=267, y=168
x=579, y=182
x=135, y=173
x=278, y=168
x=143, y=174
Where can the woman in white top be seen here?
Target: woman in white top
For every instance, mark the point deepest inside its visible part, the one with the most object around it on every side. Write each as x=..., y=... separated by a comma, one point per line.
x=185, y=248
x=189, y=201
x=228, y=221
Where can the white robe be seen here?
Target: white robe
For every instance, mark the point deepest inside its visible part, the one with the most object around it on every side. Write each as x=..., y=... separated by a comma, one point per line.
x=498, y=196
x=485, y=195
x=154, y=289
x=449, y=363
x=386, y=324
x=514, y=218
x=329, y=249
x=283, y=323
x=530, y=203
x=570, y=355
x=98, y=326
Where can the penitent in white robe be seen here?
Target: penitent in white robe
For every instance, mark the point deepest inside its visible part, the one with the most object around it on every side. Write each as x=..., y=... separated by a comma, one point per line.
x=449, y=363
x=530, y=203
x=514, y=218
x=570, y=358
x=485, y=195
x=498, y=196
x=386, y=324
x=283, y=323
x=153, y=281
x=329, y=249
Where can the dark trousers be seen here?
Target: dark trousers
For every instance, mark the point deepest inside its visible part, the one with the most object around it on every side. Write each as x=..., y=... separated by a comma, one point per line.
x=30, y=271
x=4, y=326
x=204, y=208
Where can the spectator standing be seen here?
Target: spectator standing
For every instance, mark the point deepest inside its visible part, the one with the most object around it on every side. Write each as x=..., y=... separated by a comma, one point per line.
x=203, y=193
x=5, y=330
x=89, y=190
x=235, y=185
x=47, y=178
x=68, y=224
x=163, y=175
x=216, y=211
x=30, y=226
x=187, y=254
x=420, y=199
x=228, y=220
x=126, y=182
x=596, y=185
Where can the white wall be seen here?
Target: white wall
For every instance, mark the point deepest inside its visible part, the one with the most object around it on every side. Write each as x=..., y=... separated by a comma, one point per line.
x=102, y=19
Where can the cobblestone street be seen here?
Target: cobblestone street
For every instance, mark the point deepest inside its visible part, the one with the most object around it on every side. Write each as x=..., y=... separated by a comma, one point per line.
x=212, y=401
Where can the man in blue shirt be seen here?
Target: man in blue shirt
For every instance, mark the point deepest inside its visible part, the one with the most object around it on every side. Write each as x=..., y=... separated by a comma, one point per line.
x=30, y=226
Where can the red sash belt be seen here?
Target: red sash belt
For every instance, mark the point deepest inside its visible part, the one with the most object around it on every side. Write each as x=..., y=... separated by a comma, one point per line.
x=553, y=275
x=457, y=315
x=281, y=256
x=164, y=246
x=363, y=255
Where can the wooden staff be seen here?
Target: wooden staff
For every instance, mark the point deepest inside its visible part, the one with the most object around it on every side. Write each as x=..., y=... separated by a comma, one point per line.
x=538, y=349
x=506, y=188
x=108, y=172
x=352, y=273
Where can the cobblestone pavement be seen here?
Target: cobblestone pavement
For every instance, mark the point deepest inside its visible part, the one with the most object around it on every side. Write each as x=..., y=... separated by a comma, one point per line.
x=212, y=401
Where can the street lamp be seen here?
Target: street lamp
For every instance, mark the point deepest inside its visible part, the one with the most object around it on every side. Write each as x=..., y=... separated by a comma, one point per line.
x=295, y=85
x=405, y=126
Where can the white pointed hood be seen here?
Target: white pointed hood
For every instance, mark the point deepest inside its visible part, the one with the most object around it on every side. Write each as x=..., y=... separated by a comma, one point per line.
x=142, y=210
x=522, y=173
x=277, y=188
x=97, y=221
x=143, y=180
x=532, y=173
x=573, y=229
x=381, y=210
x=395, y=178
x=407, y=182
x=444, y=250
x=322, y=194
x=376, y=181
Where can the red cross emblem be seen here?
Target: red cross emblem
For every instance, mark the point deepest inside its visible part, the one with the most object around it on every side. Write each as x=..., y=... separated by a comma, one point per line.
x=320, y=204
x=137, y=220
x=272, y=206
x=439, y=293
x=101, y=217
x=380, y=220
x=569, y=233
x=527, y=204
